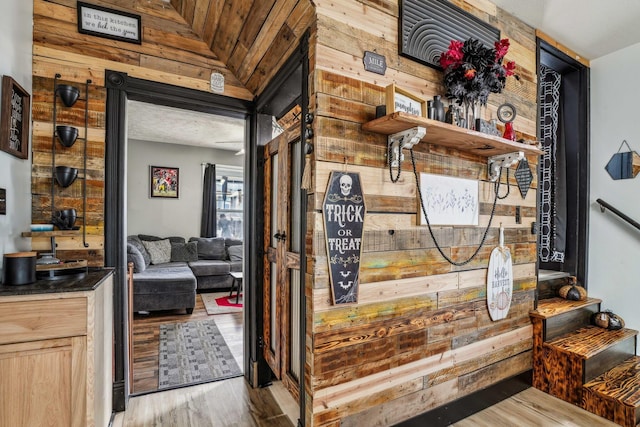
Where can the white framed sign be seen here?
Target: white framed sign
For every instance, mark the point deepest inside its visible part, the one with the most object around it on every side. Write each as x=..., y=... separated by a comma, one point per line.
x=401, y=100
x=449, y=200
x=109, y=23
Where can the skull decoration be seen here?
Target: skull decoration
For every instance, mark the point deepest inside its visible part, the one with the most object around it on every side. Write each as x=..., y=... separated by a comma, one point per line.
x=345, y=184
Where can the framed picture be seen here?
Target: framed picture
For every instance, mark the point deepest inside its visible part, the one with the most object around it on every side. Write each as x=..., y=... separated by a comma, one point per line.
x=14, y=123
x=449, y=200
x=427, y=28
x=165, y=182
x=400, y=100
x=109, y=23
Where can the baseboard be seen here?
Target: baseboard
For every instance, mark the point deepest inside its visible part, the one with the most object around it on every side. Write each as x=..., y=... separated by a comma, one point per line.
x=471, y=404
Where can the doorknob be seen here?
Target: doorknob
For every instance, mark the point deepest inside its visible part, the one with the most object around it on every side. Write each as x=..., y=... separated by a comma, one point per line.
x=283, y=236
x=277, y=236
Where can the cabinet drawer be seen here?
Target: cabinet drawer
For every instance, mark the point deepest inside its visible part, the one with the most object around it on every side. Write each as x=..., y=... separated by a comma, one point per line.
x=22, y=321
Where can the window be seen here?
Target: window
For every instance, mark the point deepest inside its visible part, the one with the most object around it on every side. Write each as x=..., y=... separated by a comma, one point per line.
x=229, y=201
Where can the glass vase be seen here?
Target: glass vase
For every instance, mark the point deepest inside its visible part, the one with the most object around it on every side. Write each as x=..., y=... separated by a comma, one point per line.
x=471, y=113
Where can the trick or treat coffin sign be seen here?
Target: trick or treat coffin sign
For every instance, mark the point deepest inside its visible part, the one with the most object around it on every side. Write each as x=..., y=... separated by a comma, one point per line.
x=343, y=212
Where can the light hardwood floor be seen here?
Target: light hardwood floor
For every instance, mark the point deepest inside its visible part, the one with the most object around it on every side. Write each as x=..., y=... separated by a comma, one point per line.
x=234, y=403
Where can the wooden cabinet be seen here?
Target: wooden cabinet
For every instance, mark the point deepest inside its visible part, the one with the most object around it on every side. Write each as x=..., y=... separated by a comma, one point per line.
x=55, y=358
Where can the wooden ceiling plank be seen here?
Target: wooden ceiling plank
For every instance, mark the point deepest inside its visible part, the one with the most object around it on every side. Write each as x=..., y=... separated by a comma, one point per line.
x=279, y=14
x=255, y=20
x=200, y=15
x=250, y=30
x=233, y=17
x=188, y=10
x=301, y=18
x=272, y=58
x=211, y=20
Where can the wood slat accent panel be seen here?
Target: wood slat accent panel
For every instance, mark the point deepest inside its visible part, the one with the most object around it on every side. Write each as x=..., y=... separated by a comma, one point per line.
x=414, y=309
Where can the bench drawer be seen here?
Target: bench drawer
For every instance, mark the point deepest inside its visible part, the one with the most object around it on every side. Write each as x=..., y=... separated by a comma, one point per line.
x=22, y=321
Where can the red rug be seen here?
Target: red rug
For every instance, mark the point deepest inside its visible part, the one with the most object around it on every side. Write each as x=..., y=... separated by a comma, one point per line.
x=229, y=301
x=221, y=302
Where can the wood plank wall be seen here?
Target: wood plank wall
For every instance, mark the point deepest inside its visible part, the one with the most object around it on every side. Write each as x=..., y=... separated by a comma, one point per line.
x=420, y=334
x=171, y=52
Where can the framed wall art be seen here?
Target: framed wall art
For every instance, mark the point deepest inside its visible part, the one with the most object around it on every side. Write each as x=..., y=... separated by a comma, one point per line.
x=427, y=28
x=109, y=23
x=449, y=200
x=14, y=123
x=165, y=182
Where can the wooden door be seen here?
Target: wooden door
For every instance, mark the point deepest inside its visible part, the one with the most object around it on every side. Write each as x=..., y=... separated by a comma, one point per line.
x=282, y=256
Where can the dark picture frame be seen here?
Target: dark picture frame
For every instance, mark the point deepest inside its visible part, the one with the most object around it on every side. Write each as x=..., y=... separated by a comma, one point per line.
x=164, y=182
x=14, y=124
x=427, y=28
x=109, y=23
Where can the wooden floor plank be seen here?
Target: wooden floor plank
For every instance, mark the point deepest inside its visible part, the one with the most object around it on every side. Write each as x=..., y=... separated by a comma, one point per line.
x=533, y=407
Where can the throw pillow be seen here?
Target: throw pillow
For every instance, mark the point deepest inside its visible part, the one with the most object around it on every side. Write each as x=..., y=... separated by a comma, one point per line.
x=184, y=252
x=235, y=253
x=135, y=241
x=159, y=250
x=134, y=256
x=210, y=247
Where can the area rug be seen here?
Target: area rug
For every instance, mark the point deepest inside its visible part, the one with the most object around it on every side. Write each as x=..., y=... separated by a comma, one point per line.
x=192, y=353
x=221, y=302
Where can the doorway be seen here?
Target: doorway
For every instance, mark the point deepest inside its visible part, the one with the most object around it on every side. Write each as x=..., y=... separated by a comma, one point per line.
x=120, y=89
x=158, y=140
x=563, y=179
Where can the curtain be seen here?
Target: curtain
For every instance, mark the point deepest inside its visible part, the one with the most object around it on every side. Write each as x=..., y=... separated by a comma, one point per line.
x=552, y=177
x=208, y=223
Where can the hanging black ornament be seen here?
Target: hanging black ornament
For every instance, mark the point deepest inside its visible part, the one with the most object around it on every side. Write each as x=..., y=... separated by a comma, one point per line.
x=524, y=177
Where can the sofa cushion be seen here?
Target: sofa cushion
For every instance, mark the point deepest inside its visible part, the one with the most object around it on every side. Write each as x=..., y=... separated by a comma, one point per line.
x=164, y=279
x=209, y=267
x=135, y=241
x=159, y=250
x=235, y=253
x=134, y=256
x=210, y=247
x=235, y=266
x=184, y=252
x=172, y=239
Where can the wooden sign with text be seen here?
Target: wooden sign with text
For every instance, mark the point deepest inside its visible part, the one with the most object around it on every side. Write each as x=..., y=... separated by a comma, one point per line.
x=343, y=212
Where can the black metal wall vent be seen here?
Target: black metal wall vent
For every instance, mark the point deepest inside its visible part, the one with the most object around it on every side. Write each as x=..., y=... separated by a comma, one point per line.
x=429, y=26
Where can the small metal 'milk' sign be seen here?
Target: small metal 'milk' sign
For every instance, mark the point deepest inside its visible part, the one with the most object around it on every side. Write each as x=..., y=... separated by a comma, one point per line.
x=343, y=211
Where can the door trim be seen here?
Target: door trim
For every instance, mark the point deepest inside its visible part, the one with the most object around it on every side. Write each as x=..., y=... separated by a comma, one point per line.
x=120, y=88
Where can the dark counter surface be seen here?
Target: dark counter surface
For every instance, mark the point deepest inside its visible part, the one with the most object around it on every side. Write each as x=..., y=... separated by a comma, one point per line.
x=89, y=281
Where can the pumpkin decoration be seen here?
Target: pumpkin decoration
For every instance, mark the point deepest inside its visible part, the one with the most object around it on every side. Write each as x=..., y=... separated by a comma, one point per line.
x=607, y=320
x=573, y=291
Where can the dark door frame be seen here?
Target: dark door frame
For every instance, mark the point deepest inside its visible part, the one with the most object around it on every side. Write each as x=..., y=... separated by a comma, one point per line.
x=575, y=76
x=120, y=88
x=288, y=87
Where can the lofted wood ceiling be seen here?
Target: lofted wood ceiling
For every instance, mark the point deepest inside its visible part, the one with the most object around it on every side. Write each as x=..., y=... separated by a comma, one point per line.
x=253, y=38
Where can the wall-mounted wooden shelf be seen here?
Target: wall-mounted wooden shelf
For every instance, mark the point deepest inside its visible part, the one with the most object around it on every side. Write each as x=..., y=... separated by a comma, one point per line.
x=56, y=233
x=446, y=135
x=63, y=265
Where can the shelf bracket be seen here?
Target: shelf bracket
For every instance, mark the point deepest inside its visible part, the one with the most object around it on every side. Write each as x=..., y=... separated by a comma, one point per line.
x=495, y=163
x=403, y=140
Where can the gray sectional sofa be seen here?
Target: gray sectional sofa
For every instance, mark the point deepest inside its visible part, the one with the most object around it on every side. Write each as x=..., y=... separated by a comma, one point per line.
x=169, y=271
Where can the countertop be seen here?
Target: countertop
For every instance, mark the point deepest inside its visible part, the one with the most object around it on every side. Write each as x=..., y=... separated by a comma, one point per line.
x=90, y=281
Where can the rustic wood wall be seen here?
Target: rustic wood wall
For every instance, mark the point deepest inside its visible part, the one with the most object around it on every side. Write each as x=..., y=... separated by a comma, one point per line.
x=420, y=334
x=183, y=42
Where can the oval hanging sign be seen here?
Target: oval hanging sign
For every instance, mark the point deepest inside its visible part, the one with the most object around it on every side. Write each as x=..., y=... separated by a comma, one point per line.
x=343, y=211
